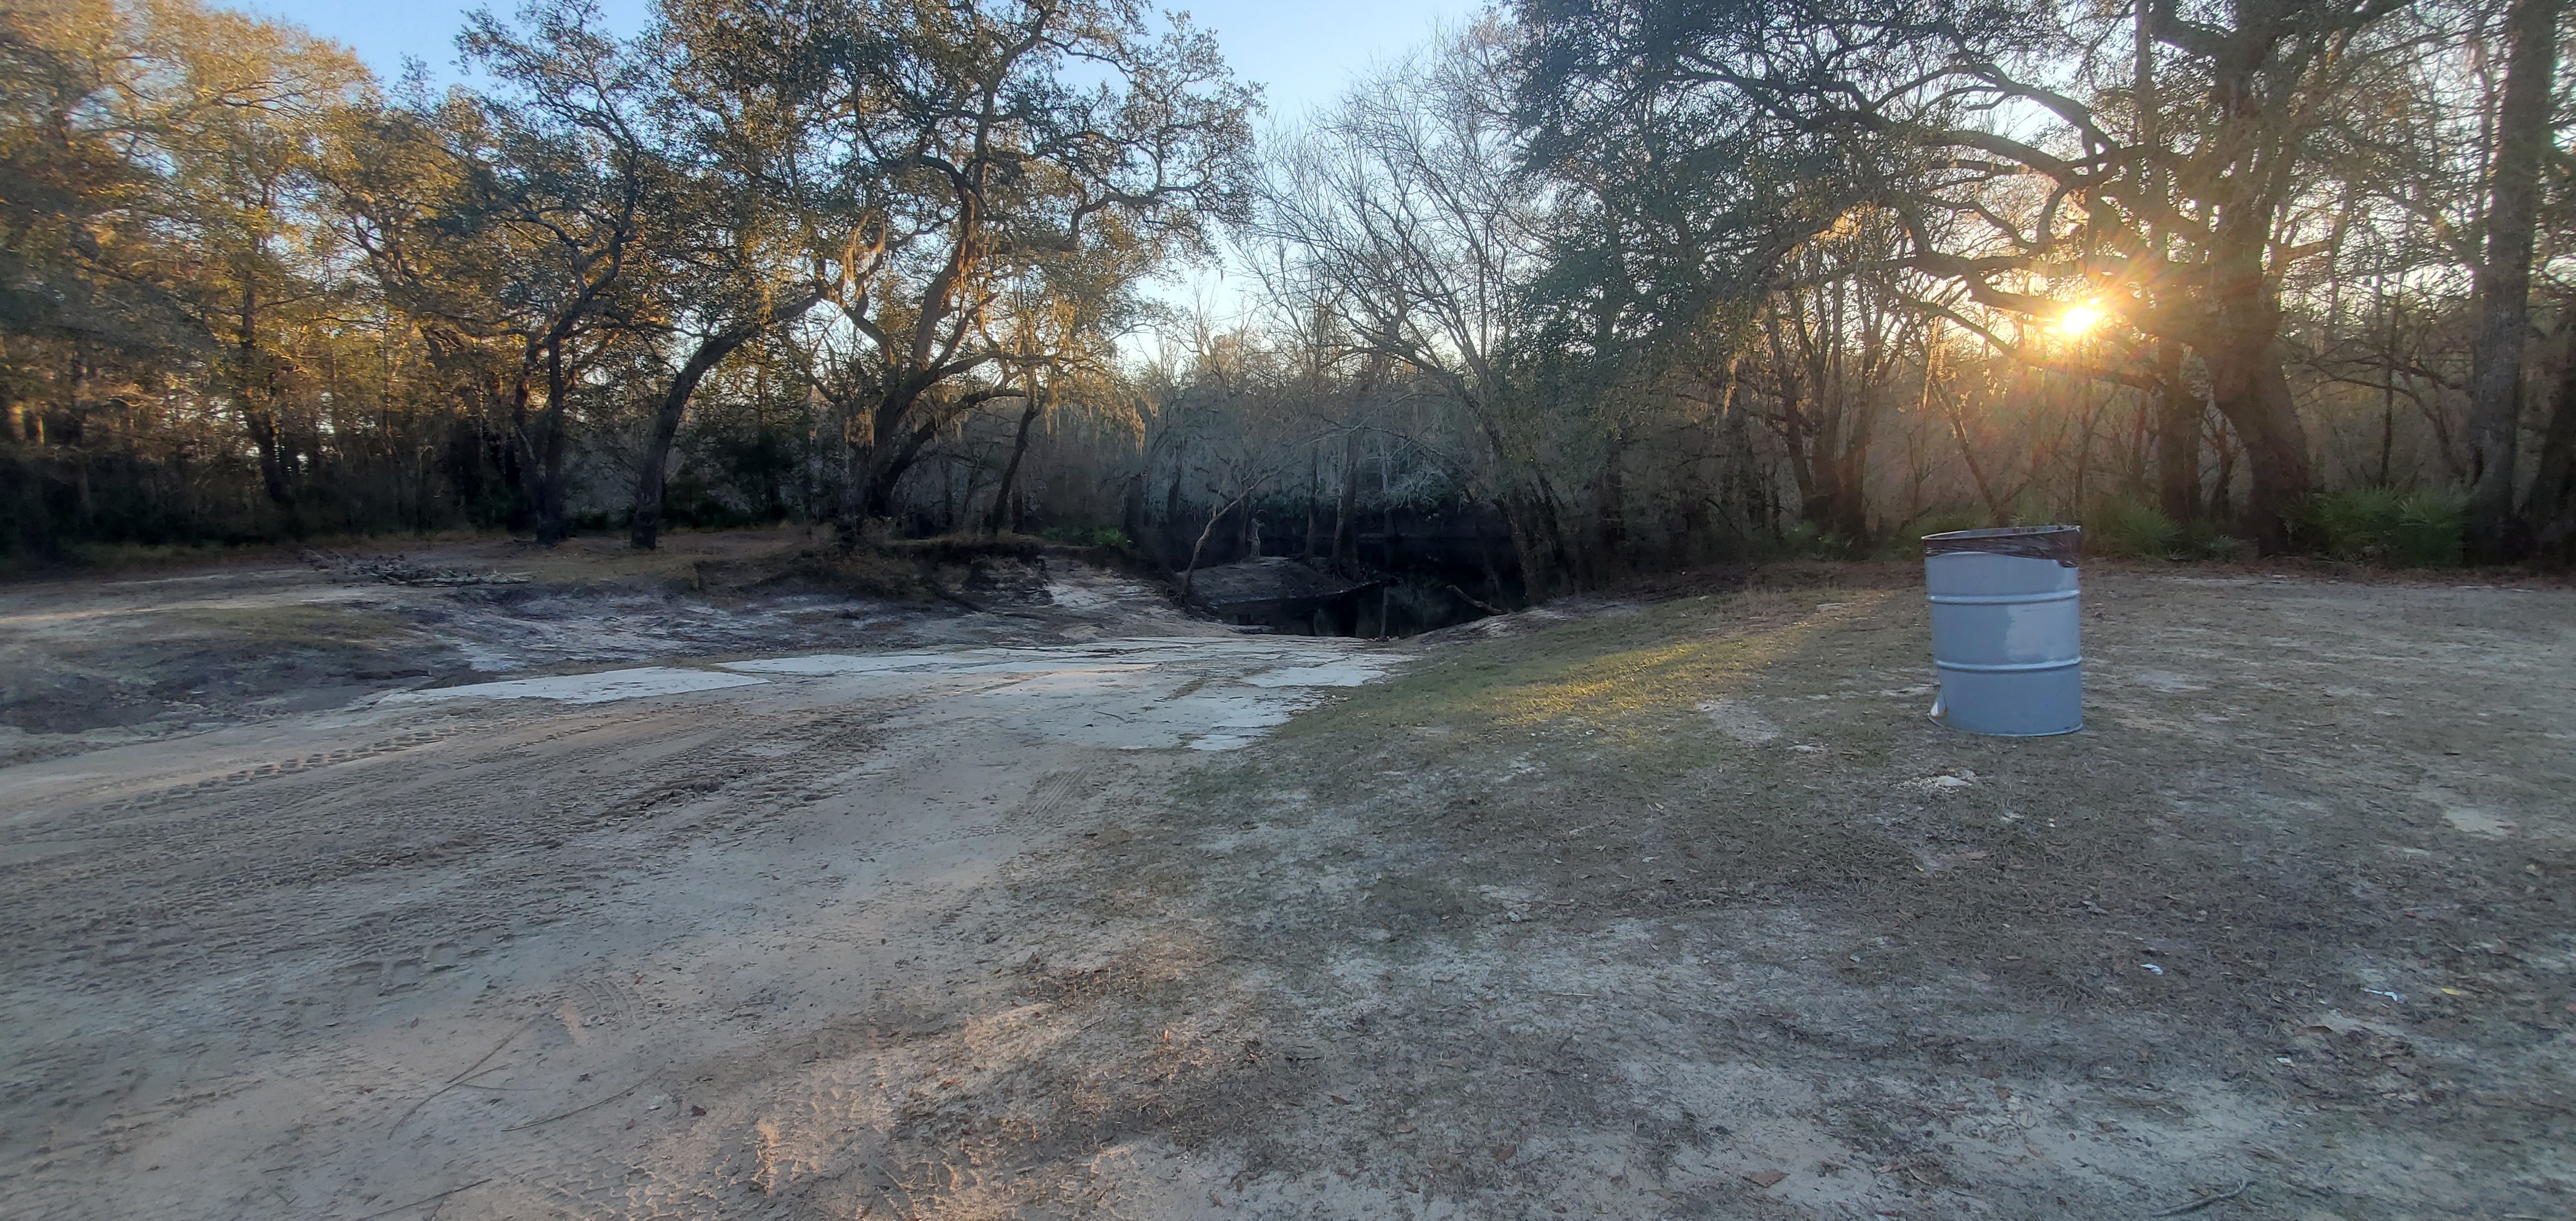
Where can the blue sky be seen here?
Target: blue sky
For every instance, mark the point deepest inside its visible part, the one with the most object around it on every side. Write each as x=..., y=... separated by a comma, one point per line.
x=1303, y=51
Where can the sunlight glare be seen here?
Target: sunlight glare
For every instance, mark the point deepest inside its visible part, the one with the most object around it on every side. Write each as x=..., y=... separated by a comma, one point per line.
x=2079, y=320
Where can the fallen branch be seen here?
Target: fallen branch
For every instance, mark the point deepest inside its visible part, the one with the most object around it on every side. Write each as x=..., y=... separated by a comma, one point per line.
x=452, y=1081
x=576, y=1110
x=425, y=1200
x=935, y=587
x=401, y=570
x=2205, y=1201
x=1473, y=601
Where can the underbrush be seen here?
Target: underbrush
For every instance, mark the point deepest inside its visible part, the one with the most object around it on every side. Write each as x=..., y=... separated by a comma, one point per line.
x=2113, y=528
x=964, y=548
x=974, y=571
x=2128, y=529
x=2379, y=525
x=1110, y=537
x=95, y=559
x=864, y=572
x=2352, y=525
x=2355, y=525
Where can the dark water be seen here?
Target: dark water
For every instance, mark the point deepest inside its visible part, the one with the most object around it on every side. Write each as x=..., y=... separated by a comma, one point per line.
x=1399, y=605
x=1429, y=568
x=1435, y=571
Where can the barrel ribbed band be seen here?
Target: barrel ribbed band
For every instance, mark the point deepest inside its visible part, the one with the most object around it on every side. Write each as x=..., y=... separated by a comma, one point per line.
x=2009, y=667
x=2054, y=595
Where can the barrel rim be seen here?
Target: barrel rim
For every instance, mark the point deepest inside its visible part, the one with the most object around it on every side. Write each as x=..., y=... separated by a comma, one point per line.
x=2061, y=542
x=2005, y=531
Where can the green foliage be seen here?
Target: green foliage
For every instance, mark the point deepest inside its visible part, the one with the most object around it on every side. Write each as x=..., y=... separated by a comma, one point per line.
x=1908, y=542
x=2113, y=528
x=2131, y=530
x=1632, y=256
x=246, y=293
x=1944, y=521
x=1087, y=536
x=2412, y=530
x=2204, y=541
x=1807, y=540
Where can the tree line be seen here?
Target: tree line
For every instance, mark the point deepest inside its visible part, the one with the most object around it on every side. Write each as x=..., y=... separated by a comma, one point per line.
x=1584, y=286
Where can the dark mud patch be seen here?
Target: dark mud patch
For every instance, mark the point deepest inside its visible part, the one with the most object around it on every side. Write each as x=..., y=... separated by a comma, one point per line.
x=176, y=665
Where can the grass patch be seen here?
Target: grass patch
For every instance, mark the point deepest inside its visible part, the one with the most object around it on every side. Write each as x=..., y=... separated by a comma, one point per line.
x=288, y=625
x=1640, y=676
x=110, y=559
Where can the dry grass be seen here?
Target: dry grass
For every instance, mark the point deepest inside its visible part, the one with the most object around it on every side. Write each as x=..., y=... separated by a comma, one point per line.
x=1529, y=896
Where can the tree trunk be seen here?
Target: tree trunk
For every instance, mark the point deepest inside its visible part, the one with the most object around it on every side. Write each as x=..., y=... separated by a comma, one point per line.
x=875, y=458
x=2388, y=397
x=1314, y=494
x=1522, y=523
x=2504, y=278
x=1998, y=514
x=264, y=438
x=1543, y=526
x=554, y=517
x=1744, y=475
x=1610, y=505
x=553, y=514
x=2550, y=510
x=994, y=521
x=1131, y=510
x=2249, y=388
x=644, y=527
x=2177, y=438
x=1386, y=503
x=1851, y=473
x=1190, y=574
x=1345, y=536
x=255, y=396
x=858, y=460
x=2222, y=484
x=892, y=462
x=1170, y=544
x=1796, y=440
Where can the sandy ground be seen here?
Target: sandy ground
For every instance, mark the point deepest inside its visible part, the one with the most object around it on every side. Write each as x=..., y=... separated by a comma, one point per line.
x=679, y=904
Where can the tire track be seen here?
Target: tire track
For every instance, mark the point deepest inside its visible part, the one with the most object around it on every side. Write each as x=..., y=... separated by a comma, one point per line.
x=241, y=877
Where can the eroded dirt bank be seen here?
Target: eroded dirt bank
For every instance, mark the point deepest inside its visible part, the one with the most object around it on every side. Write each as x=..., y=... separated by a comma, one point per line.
x=1678, y=909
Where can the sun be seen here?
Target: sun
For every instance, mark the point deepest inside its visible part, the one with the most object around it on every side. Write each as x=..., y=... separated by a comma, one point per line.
x=2079, y=320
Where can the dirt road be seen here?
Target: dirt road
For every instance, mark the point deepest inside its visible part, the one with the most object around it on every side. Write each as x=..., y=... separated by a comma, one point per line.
x=1668, y=909
x=322, y=964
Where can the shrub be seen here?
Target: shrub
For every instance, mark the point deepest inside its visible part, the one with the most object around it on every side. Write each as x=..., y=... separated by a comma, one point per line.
x=1808, y=541
x=2430, y=531
x=2205, y=541
x=1940, y=521
x=2380, y=525
x=1086, y=536
x=2129, y=528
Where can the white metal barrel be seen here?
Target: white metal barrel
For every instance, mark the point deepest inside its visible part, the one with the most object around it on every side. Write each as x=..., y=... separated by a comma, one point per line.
x=2004, y=630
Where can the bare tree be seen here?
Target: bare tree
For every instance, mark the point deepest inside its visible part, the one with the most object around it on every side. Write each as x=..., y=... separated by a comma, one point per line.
x=1405, y=213
x=2504, y=275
